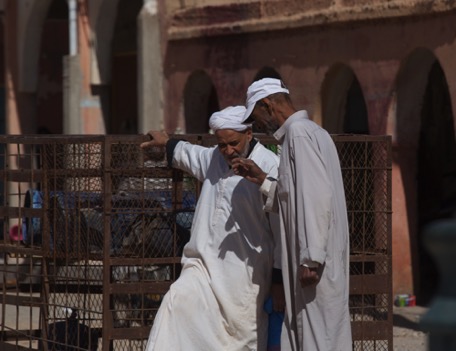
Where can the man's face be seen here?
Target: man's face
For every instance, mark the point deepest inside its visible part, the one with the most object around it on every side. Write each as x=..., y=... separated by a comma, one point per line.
x=264, y=120
x=233, y=144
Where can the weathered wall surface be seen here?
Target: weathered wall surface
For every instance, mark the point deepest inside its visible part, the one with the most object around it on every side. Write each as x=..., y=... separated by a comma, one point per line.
x=303, y=57
x=200, y=17
x=389, y=46
x=376, y=50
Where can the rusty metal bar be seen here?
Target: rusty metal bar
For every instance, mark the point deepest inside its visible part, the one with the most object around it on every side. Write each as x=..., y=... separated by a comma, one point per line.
x=101, y=195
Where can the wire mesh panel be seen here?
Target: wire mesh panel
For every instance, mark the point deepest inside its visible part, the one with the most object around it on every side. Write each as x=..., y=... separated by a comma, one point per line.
x=94, y=228
x=151, y=215
x=100, y=227
x=366, y=170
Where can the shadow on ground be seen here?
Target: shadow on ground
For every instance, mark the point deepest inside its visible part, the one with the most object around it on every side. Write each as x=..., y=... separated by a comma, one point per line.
x=403, y=322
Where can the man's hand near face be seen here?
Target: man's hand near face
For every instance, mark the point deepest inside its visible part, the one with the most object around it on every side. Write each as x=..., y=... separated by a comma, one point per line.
x=249, y=170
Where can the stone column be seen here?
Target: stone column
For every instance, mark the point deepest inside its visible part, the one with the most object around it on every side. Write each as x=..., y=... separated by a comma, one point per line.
x=71, y=95
x=150, y=68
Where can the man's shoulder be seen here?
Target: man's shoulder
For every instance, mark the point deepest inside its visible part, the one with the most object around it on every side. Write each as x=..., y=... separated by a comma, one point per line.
x=303, y=123
x=305, y=127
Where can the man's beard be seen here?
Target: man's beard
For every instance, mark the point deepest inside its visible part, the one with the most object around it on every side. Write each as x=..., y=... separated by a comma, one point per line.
x=243, y=154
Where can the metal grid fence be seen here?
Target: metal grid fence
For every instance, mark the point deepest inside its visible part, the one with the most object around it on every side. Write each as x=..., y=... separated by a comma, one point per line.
x=93, y=230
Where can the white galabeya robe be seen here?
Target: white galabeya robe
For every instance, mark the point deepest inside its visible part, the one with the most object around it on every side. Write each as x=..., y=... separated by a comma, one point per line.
x=314, y=224
x=217, y=302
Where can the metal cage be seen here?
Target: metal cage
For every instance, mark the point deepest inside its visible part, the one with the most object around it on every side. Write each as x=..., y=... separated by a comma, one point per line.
x=93, y=230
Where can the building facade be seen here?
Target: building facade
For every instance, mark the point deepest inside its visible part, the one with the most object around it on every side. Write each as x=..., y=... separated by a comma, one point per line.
x=357, y=66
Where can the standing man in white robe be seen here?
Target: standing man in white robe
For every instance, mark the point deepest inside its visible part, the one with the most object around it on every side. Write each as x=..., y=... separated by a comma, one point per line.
x=309, y=194
x=217, y=302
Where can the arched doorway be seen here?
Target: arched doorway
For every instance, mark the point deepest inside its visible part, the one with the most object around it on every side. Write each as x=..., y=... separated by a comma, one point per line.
x=267, y=72
x=436, y=171
x=426, y=155
x=343, y=105
x=344, y=111
x=54, y=46
x=200, y=102
x=124, y=97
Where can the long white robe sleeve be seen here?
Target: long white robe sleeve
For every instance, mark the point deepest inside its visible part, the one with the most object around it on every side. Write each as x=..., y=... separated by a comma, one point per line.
x=217, y=302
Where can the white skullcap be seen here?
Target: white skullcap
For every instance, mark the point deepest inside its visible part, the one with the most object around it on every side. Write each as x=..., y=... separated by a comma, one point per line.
x=259, y=90
x=229, y=118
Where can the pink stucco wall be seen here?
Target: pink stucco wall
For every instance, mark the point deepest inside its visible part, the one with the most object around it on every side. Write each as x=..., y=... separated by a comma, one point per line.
x=376, y=51
x=388, y=48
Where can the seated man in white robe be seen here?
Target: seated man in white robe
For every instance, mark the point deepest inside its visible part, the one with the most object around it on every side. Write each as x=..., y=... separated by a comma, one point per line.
x=227, y=266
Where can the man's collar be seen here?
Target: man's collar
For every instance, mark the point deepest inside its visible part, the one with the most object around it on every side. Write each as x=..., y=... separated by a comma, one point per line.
x=253, y=142
x=280, y=133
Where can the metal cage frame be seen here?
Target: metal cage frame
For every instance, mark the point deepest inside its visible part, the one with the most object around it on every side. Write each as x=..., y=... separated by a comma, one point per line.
x=85, y=210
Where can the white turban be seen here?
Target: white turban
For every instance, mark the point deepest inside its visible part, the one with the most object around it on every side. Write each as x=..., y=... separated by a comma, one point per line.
x=229, y=118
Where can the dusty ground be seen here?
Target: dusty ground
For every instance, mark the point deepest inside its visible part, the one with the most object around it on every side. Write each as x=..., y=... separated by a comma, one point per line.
x=407, y=335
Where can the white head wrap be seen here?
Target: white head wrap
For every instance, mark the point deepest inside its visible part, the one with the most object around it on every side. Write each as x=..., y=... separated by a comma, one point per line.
x=229, y=118
x=259, y=90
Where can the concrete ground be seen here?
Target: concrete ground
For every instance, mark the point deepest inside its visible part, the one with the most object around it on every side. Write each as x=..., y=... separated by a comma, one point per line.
x=406, y=331
x=407, y=335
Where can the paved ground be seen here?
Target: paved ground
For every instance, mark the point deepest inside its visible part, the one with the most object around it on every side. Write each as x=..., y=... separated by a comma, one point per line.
x=406, y=330
x=407, y=336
